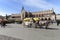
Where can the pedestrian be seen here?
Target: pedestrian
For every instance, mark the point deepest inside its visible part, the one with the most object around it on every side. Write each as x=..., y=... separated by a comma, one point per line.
x=46, y=24
x=36, y=24
x=40, y=24
x=30, y=23
x=3, y=23
x=33, y=20
x=26, y=24
x=58, y=22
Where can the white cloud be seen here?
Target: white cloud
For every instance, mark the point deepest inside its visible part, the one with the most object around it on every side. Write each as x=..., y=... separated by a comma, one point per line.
x=41, y=4
x=4, y=13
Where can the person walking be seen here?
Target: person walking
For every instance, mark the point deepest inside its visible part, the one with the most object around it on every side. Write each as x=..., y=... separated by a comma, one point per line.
x=58, y=22
x=47, y=24
x=3, y=23
x=40, y=24
x=30, y=23
x=36, y=24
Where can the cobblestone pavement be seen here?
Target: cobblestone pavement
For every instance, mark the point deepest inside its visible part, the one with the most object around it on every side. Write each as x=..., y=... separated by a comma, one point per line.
x=13, y=26
x=17, y=31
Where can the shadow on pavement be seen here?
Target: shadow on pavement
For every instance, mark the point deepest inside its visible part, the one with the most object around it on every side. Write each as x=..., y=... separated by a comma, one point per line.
x=52, y=28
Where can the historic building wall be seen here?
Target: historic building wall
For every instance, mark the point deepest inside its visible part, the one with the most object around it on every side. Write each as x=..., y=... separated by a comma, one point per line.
x=58, y=17
x=15, y=17
x=41, y=14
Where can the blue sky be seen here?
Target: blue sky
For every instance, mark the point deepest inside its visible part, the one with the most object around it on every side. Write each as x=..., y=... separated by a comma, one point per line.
x=14, y=6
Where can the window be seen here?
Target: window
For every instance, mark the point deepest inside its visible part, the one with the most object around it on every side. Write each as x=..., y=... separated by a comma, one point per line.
x=16, y=17
x=13, y=17
x=36, y=15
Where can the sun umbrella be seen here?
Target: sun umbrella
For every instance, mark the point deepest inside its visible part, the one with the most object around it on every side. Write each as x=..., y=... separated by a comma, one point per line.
x=36, y=19
x=26, y=19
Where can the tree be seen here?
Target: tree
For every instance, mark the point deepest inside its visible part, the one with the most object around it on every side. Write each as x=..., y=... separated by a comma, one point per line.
x=6, y=17
x=30, y=14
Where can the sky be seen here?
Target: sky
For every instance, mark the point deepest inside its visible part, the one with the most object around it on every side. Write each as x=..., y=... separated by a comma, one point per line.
x=14, y=6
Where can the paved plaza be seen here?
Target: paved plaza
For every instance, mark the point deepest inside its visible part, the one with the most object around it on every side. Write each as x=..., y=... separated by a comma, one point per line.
x=18, y=32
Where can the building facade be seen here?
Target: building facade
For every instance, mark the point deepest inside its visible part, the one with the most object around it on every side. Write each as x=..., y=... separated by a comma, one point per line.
x=40, y=14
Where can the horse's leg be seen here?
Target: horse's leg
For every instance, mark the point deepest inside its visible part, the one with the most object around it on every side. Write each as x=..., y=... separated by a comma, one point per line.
x=40, y=25
x=46, y=26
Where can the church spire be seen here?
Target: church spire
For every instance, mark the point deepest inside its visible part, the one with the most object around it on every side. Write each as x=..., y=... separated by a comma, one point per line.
x=52, y=9
x=22, y=8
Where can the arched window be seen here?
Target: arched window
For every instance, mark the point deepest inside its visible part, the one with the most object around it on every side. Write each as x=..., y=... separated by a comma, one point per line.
x=39, y=15
x=36, y=15
x=13, y=17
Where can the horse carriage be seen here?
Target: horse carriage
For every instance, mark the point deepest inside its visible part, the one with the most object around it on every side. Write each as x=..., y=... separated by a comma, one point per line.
x=35, y=22
x=26, y=22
